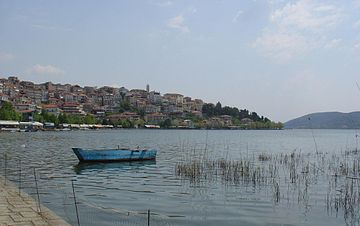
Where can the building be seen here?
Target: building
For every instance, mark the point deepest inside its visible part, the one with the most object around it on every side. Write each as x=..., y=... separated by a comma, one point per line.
x=140, y=93
x=12, y=126
x=246, y=121
x=27, y=85
x=107, y=99
x=49, y=86
x=37, y=96
x=155, y=118
x=51, y=109
x=215, y=122
x=174, y=98
x=155, y=97
x=72, y=108
x=197, y=113
x=198, y=104
x=3, y=97
x=150, y=108
x=89, y=90
x=14, y=80
x=69, y=97
x=76, y=89
x=131, y=116
x=24, y=107
x=227, y=120
x=188, y=124
x=173, y=109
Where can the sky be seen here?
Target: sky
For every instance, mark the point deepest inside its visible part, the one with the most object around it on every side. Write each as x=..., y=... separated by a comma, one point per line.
x=281, y=59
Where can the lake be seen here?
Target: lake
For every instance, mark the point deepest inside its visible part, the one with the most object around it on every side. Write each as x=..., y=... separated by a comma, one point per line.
x=122, y=193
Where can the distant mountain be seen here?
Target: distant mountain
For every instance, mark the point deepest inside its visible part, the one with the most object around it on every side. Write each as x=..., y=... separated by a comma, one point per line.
x=326, y=120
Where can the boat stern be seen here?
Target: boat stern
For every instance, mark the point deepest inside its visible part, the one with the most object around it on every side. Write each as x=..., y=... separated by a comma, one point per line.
x=150, y=154
x=77, y=152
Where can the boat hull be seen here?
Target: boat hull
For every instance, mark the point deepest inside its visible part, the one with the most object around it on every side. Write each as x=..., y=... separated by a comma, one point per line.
x=113, y=155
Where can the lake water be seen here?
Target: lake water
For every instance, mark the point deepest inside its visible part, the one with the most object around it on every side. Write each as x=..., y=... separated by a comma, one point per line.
x=121, y=193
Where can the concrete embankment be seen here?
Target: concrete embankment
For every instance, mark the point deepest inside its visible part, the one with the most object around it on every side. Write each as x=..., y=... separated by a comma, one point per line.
x=21, y=209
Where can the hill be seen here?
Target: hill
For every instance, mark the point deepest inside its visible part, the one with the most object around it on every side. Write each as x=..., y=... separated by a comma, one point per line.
x=326, y=120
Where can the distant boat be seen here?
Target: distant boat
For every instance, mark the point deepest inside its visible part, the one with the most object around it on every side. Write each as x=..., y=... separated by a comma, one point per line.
x=113, y=155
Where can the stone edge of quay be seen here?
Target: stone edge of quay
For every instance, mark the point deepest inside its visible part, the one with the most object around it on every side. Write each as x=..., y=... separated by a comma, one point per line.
x=46, y=214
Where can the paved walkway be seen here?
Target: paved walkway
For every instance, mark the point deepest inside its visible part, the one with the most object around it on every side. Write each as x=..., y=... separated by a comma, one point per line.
x=22, y=210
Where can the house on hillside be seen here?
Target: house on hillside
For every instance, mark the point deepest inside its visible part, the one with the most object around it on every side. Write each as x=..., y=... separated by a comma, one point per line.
x=174, y=98
x=72, y=108
x=131, y=116
x=155, y=118
x=51, y=109
x=246, y=121
x=226, y=119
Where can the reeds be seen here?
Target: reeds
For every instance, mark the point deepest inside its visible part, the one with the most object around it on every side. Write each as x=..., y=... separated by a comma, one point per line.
x=228, y=171
x=264, y=157
x=287, y=175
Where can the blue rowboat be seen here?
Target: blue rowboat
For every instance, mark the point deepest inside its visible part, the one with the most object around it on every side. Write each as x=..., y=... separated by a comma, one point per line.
x=113, y=155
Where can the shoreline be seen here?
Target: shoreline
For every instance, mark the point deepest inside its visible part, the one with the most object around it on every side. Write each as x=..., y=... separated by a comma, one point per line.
x=119, y=128
x=19, y=208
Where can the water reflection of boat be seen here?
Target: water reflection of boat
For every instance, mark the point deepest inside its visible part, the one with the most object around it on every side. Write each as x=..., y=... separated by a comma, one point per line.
x=92, y=166
x=112, y=155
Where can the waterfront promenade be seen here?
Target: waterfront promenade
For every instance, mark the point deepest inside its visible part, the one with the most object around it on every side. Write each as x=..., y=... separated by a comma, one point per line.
x=21, y=209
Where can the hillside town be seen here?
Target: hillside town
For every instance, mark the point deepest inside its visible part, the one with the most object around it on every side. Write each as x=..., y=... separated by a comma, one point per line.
x=58, y=105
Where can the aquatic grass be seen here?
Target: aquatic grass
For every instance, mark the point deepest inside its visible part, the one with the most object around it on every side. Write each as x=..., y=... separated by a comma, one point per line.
x=264, y=157
x=288, y=176
x=228, y=171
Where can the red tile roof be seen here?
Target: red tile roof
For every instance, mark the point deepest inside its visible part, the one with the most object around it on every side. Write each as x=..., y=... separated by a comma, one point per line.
x=49, y=106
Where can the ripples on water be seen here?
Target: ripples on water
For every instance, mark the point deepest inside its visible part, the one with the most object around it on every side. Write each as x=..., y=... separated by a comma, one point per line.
x=123, y=192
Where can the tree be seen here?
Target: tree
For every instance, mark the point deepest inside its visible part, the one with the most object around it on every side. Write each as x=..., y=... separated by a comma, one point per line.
x=243, y=114
x=38, y=117
x=139, y=123
x=254, y=116
x=46, y=117
x=218, y=109
x=236, y=121
x=279, y=125
x=208, y=109
x=166, y=123
x=126, y=123
x=199, y=124
x=141, y=112
x=105, y=121
x=125, y=106
x=62, y=118
x=232, y=111
x=90, y=119
x=75, y=119
x=7, y=112
x=52, y=118
x=71, y=119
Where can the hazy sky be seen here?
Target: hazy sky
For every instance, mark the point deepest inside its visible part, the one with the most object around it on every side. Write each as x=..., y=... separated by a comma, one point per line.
x=281, y=59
